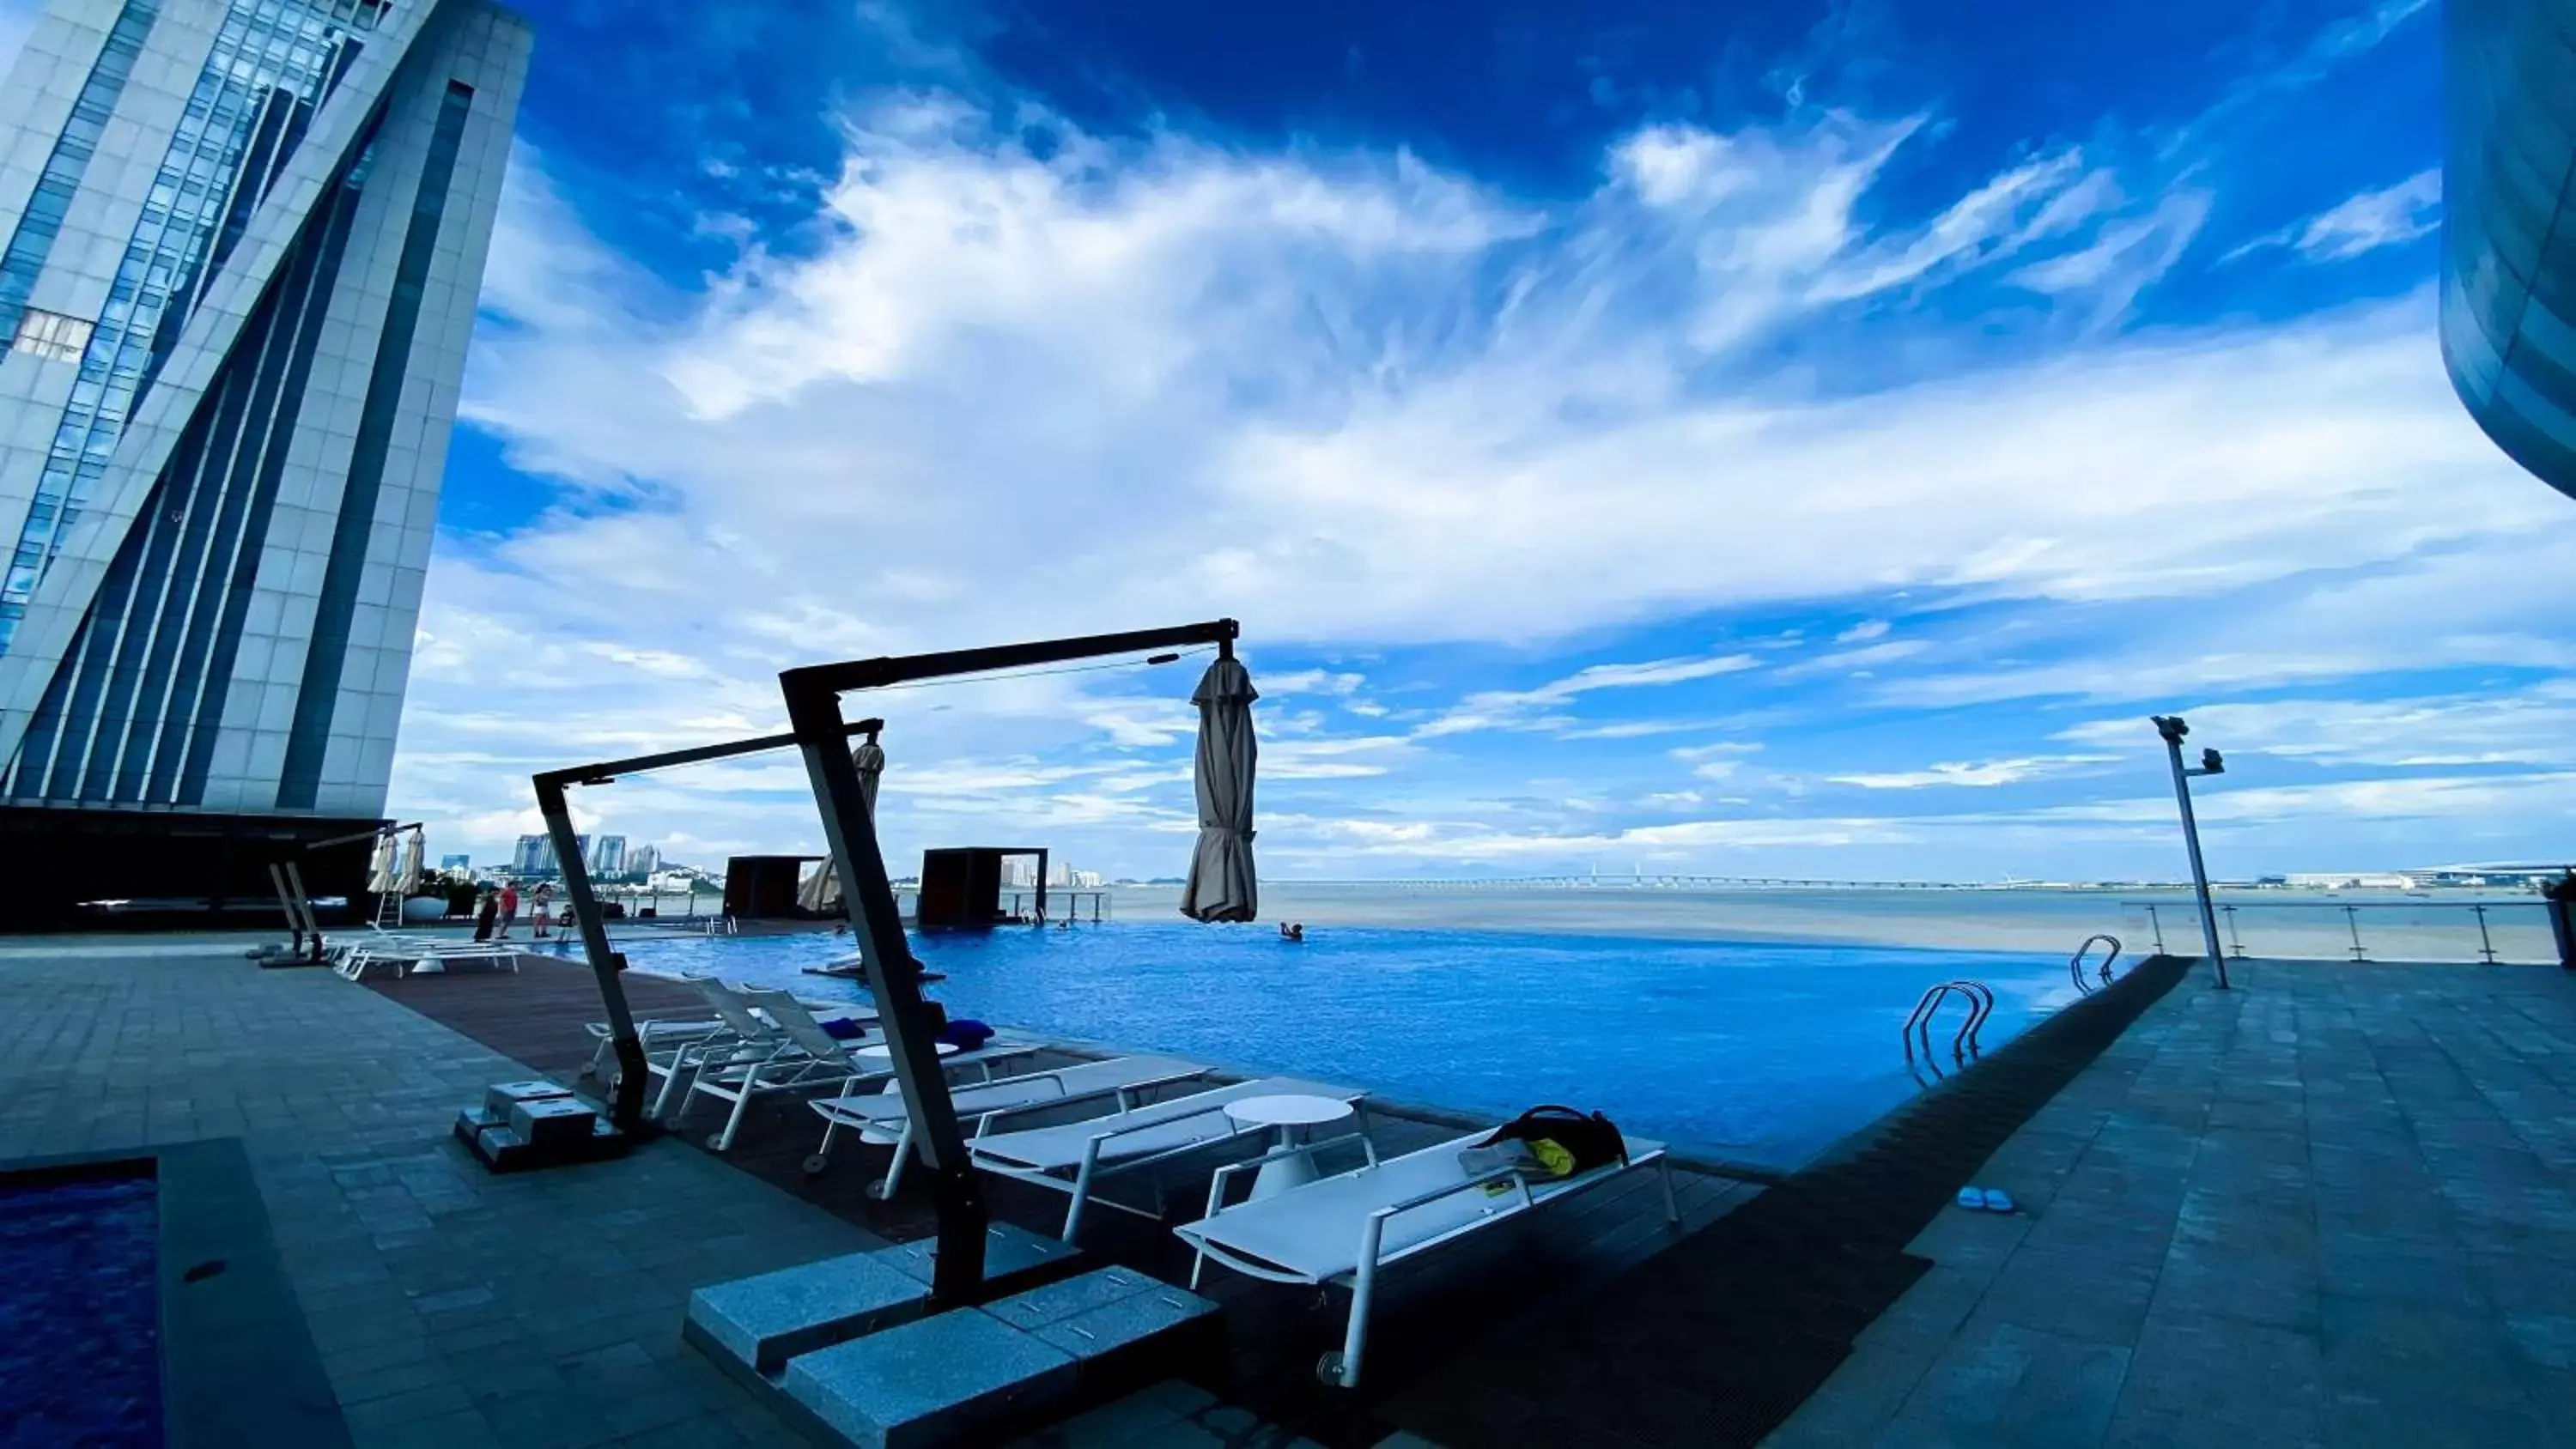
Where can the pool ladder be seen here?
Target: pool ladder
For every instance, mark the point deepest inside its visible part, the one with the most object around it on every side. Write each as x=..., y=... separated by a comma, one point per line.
x=2075, y=963
x=1980, y=999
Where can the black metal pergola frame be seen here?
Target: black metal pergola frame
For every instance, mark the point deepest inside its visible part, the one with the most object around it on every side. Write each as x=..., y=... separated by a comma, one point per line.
x=297, y=902
x=912, y=1024
x=627, y=1107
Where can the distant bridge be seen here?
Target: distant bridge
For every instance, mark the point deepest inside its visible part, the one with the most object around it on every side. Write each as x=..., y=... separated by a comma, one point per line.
x=1651, y=881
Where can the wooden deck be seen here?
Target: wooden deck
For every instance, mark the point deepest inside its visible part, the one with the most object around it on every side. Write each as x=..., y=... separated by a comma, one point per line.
x=1274, y=1333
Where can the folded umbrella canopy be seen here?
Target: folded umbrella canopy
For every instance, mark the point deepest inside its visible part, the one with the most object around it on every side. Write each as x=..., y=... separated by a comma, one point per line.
x=1221, y=886
x=380, y=872
x=821, y=891
x=407, y=878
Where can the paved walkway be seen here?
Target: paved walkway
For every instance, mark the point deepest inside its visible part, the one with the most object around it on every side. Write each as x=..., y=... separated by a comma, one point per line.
x=2336, y=1206
x=450, y=1308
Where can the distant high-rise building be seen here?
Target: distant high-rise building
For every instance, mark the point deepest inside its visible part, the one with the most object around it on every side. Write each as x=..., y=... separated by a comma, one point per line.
x=608, y=855
x=536, y=855
x=243, y=244
x=456, y=864
x=644, y=860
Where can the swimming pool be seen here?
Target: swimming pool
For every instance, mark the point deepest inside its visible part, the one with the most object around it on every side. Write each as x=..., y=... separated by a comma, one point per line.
x=80, y=1358
x=1763, y=1052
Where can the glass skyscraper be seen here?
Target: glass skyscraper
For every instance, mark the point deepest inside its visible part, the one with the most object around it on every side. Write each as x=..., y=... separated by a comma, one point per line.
x=2509, y=226
x=244, y=242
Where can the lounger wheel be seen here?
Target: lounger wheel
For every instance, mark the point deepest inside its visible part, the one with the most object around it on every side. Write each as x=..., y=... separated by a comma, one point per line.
x=815, y=1164
x=877, y=1190
x=1328, y=1368
x=715, y=1142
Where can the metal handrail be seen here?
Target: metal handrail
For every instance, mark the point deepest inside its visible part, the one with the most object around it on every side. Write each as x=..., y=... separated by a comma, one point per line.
x=1963, y=1044
x=2075, y=963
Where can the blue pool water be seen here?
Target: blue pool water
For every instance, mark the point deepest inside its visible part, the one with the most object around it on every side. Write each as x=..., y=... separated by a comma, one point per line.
x=80, y=1352
x=1762, y=1051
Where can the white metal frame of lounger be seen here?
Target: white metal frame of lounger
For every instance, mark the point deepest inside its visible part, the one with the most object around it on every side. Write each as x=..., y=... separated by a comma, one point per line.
x=802, y=1069
x=661, y=1033
x=692, y=1056
x=1341, y=1368
x=870, y=1130
x=658, y=1033
x=806, y=1077
x=1091, y=1169
x=354, y=960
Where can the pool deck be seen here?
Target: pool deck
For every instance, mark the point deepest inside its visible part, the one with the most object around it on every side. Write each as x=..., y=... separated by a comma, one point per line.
x=450, y=1308
x=1274, y=1333
x=2335, y=1206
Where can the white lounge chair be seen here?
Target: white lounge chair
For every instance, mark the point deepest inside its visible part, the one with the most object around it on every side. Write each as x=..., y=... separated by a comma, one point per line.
x=661, y=1033
x=741, y=1034
x=1073, y=1156
x=1346, y=1228
x=883, y=1118
x=407, y=956
x=803, y=1057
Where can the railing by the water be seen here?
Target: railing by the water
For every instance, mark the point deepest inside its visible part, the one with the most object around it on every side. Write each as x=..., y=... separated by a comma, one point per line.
x=1062, y=904
x=692, y=910
x=2494, y=932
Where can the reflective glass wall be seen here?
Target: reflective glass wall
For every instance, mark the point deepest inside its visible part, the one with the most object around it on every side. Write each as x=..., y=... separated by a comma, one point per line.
x=2509, y=266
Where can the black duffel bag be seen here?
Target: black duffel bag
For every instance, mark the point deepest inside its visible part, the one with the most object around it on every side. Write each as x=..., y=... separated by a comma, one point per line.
x=1588, y=1139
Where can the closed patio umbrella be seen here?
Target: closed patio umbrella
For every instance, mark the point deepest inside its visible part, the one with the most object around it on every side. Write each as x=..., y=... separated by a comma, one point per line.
x=822, y=891
x=407, y=879
x=1221, y=886
x=380, y=873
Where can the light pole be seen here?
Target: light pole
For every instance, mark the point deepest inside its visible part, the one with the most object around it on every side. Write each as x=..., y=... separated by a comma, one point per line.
x=2173, y=729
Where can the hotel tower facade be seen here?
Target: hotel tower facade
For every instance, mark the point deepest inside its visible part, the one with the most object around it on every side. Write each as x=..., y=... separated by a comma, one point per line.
x=244, y=240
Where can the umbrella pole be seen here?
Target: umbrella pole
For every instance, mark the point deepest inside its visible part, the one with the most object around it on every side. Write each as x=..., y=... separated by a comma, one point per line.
x=627, y=1110
x=912, y=1023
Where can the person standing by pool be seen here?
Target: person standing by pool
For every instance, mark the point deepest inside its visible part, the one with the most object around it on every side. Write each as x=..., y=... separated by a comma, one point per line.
x=509, y=909
x=538, y=915
x=486, y=908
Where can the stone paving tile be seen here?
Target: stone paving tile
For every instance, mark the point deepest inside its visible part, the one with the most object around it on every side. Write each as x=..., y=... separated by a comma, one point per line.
x=2336, y=1206
x=2004, y=1384
x=449, y=1307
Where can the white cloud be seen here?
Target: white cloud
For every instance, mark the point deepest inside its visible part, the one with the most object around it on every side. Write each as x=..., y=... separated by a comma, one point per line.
x=2533, y=727
x=2432, y=797
x=2363, y=223
x=1980, y=775
x=1339, y=684
x=1355, y=400
x=1503, y=708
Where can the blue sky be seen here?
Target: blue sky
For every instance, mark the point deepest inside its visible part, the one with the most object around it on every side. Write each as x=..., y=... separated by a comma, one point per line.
x=1786, y=440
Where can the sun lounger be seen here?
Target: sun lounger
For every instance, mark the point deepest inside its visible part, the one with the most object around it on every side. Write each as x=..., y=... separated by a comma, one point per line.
x=1346, y=1228
x=1073, y=1156
x=740, y=1035
x=882, y=1117
x=660, y=1033
x=800, y=1056
x=410, y=955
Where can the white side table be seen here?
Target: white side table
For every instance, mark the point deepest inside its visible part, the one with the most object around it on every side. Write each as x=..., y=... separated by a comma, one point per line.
x=1292, y=1113
x=880, y=1058
x=882, y=1053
